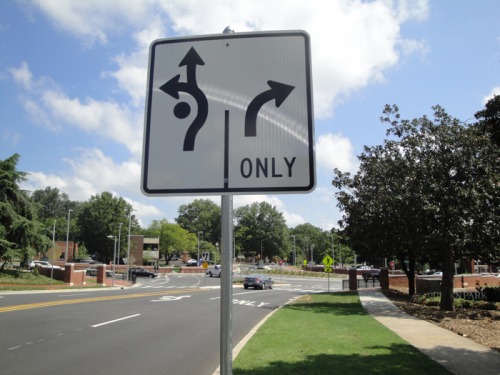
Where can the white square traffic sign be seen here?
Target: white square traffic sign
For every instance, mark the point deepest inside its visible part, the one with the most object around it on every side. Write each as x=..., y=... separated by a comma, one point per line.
x=229, y=114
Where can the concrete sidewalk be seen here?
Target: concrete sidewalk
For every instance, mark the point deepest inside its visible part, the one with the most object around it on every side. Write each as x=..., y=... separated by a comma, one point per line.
x=458, y=354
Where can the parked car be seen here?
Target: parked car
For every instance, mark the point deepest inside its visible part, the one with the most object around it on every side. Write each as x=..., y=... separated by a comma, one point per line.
x=141, y=272
x=216, y=271
x=92, y=271
x=43, y=263
x=257, y=282
x=191, y=263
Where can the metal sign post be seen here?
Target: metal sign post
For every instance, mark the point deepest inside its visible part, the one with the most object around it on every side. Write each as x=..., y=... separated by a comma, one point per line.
x=226, y=306
x=229, y=114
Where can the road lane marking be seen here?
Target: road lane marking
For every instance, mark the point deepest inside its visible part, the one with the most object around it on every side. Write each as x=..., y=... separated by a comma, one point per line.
x=115, y=320
x=169, y=298
x=93, y=299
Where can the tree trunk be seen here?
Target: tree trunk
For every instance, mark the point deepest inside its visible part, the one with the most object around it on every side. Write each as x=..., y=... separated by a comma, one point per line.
x=446, y=302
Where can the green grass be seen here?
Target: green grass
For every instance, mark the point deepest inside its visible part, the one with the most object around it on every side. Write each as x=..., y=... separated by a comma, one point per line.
x=24, y=280
x=329, y=334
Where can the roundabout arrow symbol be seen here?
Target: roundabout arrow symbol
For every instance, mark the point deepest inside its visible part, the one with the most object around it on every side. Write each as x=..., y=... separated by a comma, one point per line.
x=173, y=87
x=277, y=92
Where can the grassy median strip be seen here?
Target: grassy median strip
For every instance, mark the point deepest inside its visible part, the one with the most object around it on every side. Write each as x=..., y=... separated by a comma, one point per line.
x=329, y=334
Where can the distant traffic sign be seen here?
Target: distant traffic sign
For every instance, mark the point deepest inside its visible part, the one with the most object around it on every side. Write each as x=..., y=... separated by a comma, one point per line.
x=327, y=260
x=229, y=114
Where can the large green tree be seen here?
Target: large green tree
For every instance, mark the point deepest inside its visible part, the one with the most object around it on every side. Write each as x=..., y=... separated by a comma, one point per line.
x=312, y=243
x=52, y=209
x=21, y=234
x=99, y=218
x=430, y=192
x=261, y=228
x=173, y=238
x=489, y=119
x=203, y=217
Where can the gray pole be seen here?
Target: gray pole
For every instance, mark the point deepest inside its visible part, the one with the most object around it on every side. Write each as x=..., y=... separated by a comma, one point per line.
x=53, y=252
x=226, y=306
x=128, y=244
x=119, y=242
x=67, y=237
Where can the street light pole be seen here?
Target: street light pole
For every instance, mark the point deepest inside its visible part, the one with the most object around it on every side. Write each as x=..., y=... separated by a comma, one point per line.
x=294, y=253
x=198, y=236
x=333, y=251
x=114, y=257
x=53, y=252
x=128, y=244
x=119, y=239
x=67, y=237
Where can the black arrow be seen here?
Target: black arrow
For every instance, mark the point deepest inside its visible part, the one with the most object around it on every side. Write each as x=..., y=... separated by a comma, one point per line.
x=279, y=92
x=190, y=61
x=173, y=87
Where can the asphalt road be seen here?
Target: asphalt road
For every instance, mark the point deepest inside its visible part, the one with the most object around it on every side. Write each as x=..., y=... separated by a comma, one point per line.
x=166, y=326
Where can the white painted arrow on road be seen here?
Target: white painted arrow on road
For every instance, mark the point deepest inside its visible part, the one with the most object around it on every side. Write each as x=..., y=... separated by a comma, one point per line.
x=169, y=298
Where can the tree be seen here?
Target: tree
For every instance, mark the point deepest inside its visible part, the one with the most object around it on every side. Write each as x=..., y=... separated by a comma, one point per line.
x=261, y=228
x=201, y=215
x=21, y=234
x=489, y=119
x=99, y=218
x=311, y=241
x=173, y=238
x=429, y=193
x=52, y=207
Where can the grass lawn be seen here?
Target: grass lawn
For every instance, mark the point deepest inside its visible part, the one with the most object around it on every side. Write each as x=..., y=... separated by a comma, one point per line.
x=329, y=334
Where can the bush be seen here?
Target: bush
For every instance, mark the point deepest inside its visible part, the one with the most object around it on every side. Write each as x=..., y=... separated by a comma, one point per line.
x=492, y=294
x=483, y=305
x=462, y=303
x=433, y=301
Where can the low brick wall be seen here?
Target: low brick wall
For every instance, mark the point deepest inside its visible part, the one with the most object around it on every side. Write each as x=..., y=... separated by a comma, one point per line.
x=192, y=270
x=425, y=284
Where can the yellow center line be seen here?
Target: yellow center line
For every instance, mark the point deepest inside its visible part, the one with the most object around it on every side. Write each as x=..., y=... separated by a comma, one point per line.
x=92, y=299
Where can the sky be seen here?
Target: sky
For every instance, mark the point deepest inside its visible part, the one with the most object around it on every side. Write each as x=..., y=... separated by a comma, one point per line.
x=73, y=83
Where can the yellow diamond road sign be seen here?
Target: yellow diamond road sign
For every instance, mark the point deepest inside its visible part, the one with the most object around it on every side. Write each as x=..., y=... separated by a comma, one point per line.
x=327, y=260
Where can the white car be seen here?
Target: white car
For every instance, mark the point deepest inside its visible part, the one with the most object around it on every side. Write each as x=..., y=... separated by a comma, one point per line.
x=216, y=271
x=43, y=263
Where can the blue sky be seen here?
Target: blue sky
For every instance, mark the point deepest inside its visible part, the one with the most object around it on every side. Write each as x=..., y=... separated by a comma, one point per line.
x=73, y=83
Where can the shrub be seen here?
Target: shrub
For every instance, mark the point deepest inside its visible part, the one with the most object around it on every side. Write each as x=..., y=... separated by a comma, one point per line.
x=433, y=301
x=483, y=305
x=461, y=303
x=492, y=294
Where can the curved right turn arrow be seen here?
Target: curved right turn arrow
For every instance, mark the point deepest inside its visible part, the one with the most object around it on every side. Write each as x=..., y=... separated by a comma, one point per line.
x=279, y=92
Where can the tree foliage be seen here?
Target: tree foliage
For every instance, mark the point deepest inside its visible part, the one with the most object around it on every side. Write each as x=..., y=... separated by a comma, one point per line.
x=101, y=217
x=261, y=228
x=21, y=235
x=52, y=208
x=430, y=192
x=489, y=119
x=173, y=238
x=201, y=215
x=309, y=241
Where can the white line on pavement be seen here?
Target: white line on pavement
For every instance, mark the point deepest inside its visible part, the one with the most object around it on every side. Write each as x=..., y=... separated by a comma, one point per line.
x=114, y=321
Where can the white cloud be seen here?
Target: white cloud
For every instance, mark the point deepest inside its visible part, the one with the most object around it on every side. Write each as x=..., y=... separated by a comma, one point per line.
x=353, y=42
x=49, y=106
x=494, y=91
x=22, y=75
x=335, y=151
x=93, y=20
